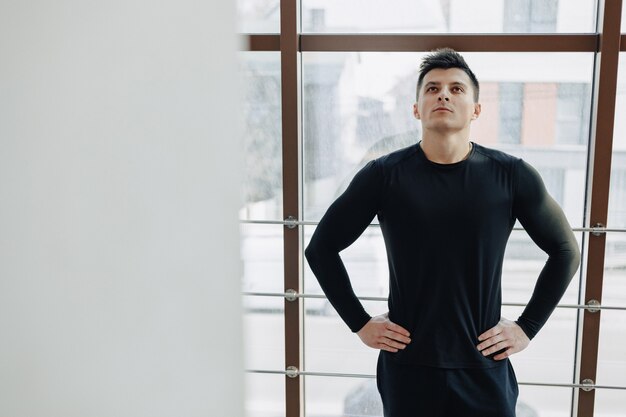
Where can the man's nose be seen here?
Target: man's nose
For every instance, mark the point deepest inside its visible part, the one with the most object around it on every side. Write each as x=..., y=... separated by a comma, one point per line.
x=443, y=95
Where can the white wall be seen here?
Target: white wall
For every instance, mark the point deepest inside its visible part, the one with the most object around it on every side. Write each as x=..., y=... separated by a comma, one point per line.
x=119, y=276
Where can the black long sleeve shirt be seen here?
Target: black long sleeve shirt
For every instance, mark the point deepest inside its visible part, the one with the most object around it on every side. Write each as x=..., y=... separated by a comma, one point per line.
x=445, y=228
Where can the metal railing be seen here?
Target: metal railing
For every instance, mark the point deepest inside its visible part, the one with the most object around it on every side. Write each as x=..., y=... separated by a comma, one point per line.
x=294, y=373
x=292, y=295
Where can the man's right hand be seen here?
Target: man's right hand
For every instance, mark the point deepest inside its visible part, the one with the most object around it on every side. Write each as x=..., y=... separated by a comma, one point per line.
x=381, y=333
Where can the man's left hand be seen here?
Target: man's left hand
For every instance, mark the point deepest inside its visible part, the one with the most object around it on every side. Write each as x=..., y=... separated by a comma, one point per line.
x=504, y=335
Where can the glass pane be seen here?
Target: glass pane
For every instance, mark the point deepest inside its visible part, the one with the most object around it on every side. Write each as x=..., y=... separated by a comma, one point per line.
x=609, y=403
x=617, y=193
x=612, y=345
x=262, y=264
x=523, y=261
x=365, y=261
x=448, y=16
x=357, y=106
x=264, y=335
x=612, y=348
x=265, y=395
x=258, y=16
x=330, y=346
x=549, y=358
x=262, y=186
x=341, y=397
x=536, y=401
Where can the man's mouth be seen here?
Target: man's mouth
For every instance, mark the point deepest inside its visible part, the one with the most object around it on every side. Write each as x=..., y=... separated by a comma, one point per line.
x=442, y=109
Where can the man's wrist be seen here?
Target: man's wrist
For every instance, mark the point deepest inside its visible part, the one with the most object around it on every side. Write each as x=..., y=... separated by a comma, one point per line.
x=365, y=321
x=524, y=328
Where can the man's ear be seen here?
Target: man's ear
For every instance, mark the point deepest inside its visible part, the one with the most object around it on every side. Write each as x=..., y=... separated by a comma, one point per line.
x=477, y=109
x=416, y=111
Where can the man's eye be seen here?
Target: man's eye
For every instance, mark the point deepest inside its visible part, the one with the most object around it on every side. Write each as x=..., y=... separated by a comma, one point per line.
x=457, y=89
x=432, y=89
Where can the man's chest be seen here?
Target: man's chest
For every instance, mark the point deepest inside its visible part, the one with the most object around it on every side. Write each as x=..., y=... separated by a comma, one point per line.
x=465, y=198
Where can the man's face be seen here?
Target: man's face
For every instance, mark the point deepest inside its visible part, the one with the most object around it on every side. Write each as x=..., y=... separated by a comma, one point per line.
x=446, y=101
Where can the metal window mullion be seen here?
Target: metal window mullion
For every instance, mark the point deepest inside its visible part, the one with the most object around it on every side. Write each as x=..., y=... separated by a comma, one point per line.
x=262, y=42
x=558, y=42
x=603, y=118
x=289, y=56
x=460, y=42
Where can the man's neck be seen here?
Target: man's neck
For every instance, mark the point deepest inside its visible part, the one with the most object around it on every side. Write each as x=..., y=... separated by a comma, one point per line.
x=446, y=149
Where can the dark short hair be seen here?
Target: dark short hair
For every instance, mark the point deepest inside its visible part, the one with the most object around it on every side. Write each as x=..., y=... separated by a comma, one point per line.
x=445, y=58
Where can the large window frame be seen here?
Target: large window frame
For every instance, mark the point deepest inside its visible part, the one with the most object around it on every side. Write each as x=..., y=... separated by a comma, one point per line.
x=606, y=43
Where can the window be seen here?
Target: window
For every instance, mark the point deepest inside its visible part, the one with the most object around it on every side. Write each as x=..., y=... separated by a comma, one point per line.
x=262, y=190
x=356, y=105
x=530, y=16
x=258, y=16
x=612, y=362
x=617, y=202
x=447, y=16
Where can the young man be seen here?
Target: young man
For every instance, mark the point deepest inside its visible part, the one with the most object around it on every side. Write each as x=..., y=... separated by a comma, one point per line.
x=446, y=207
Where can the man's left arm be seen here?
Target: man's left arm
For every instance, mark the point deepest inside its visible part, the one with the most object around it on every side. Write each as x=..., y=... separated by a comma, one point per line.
x=546, y=224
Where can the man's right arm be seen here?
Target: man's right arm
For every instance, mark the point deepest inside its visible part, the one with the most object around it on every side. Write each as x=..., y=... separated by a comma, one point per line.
x=342, y=224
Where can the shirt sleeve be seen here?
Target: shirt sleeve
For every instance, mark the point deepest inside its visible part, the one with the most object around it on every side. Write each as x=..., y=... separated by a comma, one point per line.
x=343, y=223
x=546, y=224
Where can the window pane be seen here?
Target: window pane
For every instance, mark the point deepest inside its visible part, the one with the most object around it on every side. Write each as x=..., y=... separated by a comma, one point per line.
x=448, y=16
x=264, y=334
x=612, y=348
x=330, y=346
x=523, y=261
x=262, y=264
x=534, y=401
x=612, y=345
x=549, y=358
x=617, y=194
x=258, y=16
x=366, y=263
x=609, y=403
x=262, y=186
x=341, y=397
x=357, y=106
x=265, y=395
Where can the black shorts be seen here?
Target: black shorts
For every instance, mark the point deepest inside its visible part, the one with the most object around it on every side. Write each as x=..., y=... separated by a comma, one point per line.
x=416, y=391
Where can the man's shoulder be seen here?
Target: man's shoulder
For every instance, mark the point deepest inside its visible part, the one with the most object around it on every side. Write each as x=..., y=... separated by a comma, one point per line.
x=394, y=158
x=506, y=160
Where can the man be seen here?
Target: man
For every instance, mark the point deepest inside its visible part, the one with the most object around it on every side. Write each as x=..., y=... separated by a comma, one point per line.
x=446, y=208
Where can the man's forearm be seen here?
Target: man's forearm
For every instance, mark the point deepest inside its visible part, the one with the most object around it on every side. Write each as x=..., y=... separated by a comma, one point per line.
x=327, y=266
x=547, y=225
x=551, y=285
